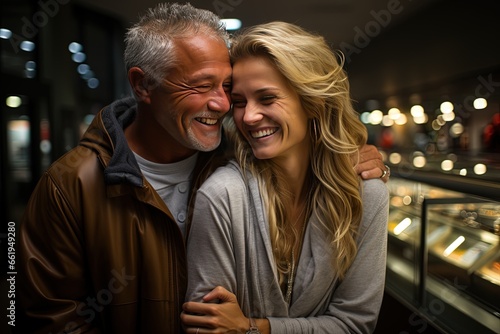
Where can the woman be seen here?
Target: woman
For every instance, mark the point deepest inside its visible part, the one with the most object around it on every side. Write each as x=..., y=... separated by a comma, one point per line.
x=288, y=227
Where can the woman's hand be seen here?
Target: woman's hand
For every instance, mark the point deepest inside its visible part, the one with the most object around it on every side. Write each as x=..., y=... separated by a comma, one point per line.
x=370, y=164
x=218, y=313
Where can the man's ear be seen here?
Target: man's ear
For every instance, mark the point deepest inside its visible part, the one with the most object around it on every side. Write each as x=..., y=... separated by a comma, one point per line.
x=139, y=84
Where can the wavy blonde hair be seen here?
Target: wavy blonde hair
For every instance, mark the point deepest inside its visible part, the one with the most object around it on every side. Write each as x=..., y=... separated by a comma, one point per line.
x=313, y=70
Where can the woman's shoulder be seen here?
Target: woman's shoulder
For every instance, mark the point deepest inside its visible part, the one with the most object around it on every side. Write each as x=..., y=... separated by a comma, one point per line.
x=375, y=191
x=375, y=206
x=230, y=170
x=227, y=176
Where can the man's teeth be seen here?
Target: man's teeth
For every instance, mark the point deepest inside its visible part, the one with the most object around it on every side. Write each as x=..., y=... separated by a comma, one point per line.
x=209, y=121
x=263, y=133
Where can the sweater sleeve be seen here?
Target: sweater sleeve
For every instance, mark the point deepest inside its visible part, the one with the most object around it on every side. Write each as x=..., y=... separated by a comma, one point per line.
x=51, y=265
x=210, y=243
x=355, y=303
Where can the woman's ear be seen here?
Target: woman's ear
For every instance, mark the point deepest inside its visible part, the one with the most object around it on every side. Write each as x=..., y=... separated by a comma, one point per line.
x=139, y=84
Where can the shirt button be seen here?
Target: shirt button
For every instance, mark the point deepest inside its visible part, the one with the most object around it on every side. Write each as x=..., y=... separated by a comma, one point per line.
x=182, y=187
x=181, y=217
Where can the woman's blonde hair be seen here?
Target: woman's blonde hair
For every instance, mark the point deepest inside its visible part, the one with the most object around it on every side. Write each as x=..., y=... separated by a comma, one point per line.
x=313, y=70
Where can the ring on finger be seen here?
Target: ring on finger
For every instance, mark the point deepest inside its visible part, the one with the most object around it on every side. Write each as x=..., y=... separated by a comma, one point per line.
x=386, y=172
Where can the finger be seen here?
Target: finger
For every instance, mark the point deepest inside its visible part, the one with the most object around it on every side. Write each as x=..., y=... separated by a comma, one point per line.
x=195, y=330
x=197, y=308
x=220, y=293
x=373, y=173
x=381, y=173
x=369, y=152
x=195, y=320
x=189, y=320
x=369, y=166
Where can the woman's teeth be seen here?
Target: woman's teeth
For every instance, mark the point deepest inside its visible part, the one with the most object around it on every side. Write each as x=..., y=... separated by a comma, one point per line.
x=263, y=133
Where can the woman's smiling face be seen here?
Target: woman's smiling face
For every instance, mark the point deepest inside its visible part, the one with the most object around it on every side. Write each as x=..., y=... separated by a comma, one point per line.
x=267, y=111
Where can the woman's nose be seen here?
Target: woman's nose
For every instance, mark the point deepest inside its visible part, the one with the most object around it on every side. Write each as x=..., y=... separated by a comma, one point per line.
x=252, y=114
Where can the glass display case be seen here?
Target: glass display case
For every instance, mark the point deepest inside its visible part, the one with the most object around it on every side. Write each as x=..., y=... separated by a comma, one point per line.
x=444, y=256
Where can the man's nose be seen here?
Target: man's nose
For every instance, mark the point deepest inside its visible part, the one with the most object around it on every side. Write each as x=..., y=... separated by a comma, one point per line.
x=219, y=101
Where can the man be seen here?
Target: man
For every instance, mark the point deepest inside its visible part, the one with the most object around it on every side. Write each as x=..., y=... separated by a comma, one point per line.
x=101, y=244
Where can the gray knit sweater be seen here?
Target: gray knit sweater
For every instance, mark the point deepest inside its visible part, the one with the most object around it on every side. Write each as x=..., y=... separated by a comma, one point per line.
x=229, y=245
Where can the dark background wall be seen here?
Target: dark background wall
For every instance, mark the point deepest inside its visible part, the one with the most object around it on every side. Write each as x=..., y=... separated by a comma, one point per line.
x=442, y=45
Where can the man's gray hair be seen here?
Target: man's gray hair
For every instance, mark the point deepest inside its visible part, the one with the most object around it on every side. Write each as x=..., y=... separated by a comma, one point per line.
x=149, y=44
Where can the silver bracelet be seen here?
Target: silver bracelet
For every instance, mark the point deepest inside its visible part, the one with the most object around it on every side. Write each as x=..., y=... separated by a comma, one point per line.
x=253, y=327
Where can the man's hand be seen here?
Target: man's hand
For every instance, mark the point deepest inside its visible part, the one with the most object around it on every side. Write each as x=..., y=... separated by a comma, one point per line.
x=370, y=164
x=224, y=317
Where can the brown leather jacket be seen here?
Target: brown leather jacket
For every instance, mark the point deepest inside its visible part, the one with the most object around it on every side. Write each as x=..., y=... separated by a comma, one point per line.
x=99, y=251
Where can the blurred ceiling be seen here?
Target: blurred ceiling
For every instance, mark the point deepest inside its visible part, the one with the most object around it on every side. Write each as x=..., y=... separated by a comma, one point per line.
x=337, y=20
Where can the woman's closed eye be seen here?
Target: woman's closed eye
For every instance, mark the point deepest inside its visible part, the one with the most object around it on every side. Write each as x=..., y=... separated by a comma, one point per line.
x=238, y=103
x=267, y=99
x=227, y=86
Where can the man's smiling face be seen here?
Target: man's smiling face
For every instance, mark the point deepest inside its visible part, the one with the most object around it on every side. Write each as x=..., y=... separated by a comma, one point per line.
x=193, y=97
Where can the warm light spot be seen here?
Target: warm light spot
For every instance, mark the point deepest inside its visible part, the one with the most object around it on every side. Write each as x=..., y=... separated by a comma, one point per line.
x=403, y=225
x=453, y=246
x=376, y=117
x=480, y=103
x=446, y=107
x=13, y=101
x=419, y=161
x=395, y=158
x=417, y=111
x=480, y=169
x=447, y=165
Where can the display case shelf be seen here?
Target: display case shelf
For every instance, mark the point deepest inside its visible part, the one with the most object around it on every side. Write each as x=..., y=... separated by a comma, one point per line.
x=444, y=255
